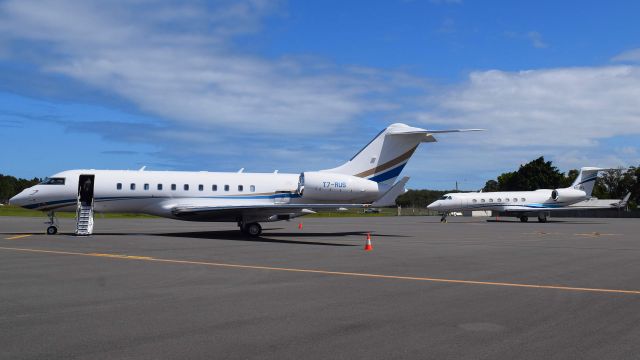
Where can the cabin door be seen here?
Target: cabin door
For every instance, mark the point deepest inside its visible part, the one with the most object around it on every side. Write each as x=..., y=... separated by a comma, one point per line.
x=85, y=189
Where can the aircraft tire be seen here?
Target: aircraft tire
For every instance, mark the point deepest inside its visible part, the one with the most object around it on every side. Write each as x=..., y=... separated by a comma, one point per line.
x=524, y=219
x=52, y=230
x=253, y=229
x=542, y=219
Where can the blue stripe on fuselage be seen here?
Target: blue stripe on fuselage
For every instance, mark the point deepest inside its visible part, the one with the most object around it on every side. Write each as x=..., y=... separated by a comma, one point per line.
x=62, y=203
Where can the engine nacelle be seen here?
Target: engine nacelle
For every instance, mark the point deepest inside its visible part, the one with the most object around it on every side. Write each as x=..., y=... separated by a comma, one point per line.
x=326, y=186
x=568, y=195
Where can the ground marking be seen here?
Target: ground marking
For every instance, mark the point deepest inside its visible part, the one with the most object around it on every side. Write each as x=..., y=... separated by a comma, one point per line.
x=596, y=234
x=17, y=237
x=325, y=272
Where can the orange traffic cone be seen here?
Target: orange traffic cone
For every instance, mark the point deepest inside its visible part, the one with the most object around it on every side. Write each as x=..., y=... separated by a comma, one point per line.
x=300, y=226
x=368, y=246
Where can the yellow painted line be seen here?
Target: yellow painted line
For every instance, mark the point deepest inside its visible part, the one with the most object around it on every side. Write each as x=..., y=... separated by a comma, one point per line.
x=595, y=234
x=119, y=256
x=333, y=273
x=18, y=237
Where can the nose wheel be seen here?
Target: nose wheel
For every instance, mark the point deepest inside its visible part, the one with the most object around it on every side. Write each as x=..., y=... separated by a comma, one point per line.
x=53, y=223
x=443, y=219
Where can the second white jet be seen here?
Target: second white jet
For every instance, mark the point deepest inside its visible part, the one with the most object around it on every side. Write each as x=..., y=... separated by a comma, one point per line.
x=522, y=204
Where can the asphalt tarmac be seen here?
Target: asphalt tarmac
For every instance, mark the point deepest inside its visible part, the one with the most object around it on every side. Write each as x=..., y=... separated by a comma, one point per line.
x=468, y=289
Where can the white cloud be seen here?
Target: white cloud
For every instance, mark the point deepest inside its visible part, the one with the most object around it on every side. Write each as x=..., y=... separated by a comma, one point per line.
x=178, y=62
x=536, y=40
x=631, y=56
x=545, y=112
x=560, y=107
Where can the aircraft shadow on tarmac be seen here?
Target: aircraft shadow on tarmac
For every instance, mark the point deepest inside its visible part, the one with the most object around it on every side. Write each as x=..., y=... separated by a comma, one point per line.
x=559, y=222
x=235, y=235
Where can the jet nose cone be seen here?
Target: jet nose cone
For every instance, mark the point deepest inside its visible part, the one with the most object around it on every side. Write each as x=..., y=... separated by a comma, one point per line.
x=14, y=200
x=18, y=200
x=433, y=205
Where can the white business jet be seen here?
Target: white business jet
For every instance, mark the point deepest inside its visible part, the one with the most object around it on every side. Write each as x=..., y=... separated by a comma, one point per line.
x=245, y=198
x=522, y=204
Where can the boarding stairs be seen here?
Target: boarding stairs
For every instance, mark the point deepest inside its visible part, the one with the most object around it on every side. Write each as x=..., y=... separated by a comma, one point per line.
x=84, y=218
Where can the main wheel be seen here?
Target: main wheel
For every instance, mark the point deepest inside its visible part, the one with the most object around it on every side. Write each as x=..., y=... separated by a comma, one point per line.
x=524, y=219
x=542, y=219
x=253, y=229
x=52, y=230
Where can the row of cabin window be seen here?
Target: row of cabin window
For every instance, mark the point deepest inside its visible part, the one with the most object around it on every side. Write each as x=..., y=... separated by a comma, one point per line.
x=132, y=186
x=499, y=200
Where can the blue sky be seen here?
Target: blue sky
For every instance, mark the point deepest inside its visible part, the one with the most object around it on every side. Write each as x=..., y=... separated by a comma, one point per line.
x=302, y=85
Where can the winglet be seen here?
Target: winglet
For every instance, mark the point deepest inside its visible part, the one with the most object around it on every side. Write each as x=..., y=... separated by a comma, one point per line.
x=623, y=202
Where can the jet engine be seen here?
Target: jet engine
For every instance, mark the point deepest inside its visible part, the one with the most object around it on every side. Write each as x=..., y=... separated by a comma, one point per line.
x=326, y=186
x=568, y=195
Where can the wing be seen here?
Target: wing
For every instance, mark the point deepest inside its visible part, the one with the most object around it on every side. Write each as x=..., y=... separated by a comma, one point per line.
x=264, y=212
x=585, y=205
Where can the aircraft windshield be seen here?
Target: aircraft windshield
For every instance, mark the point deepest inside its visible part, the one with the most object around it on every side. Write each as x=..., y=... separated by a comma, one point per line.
x=52, y=181
x=445, y=197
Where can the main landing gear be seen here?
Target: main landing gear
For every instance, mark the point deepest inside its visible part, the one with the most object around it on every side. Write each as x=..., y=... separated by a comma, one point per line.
x=252, y=229
x=541, y=218
x=443, y=219
x=53, y=223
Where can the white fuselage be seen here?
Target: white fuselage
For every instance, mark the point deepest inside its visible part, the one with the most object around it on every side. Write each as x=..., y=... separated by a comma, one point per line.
x=505, y=201
x=157, y=192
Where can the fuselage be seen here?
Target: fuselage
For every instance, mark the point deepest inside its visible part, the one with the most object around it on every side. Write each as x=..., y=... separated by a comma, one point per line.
x=156, y=192
x=505, y=201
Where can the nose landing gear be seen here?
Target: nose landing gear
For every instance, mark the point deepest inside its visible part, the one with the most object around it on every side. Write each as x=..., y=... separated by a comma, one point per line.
x=53, y=223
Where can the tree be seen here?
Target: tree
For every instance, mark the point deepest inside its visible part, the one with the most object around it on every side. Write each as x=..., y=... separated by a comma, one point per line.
x=10, y=186
x=537, y=174
x=491, y=185
x=420, y=198
x=570, y=178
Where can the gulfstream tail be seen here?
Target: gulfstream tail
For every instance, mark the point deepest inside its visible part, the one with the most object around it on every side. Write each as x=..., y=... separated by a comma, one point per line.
x=367, y=178
x=523, y=204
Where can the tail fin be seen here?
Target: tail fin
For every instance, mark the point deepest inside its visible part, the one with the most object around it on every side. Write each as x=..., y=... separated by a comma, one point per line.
x=384, y=157
x=586, y=179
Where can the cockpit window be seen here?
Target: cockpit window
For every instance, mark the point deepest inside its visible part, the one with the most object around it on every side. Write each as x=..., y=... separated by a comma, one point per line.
x=52, y=181
x=443, y=197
